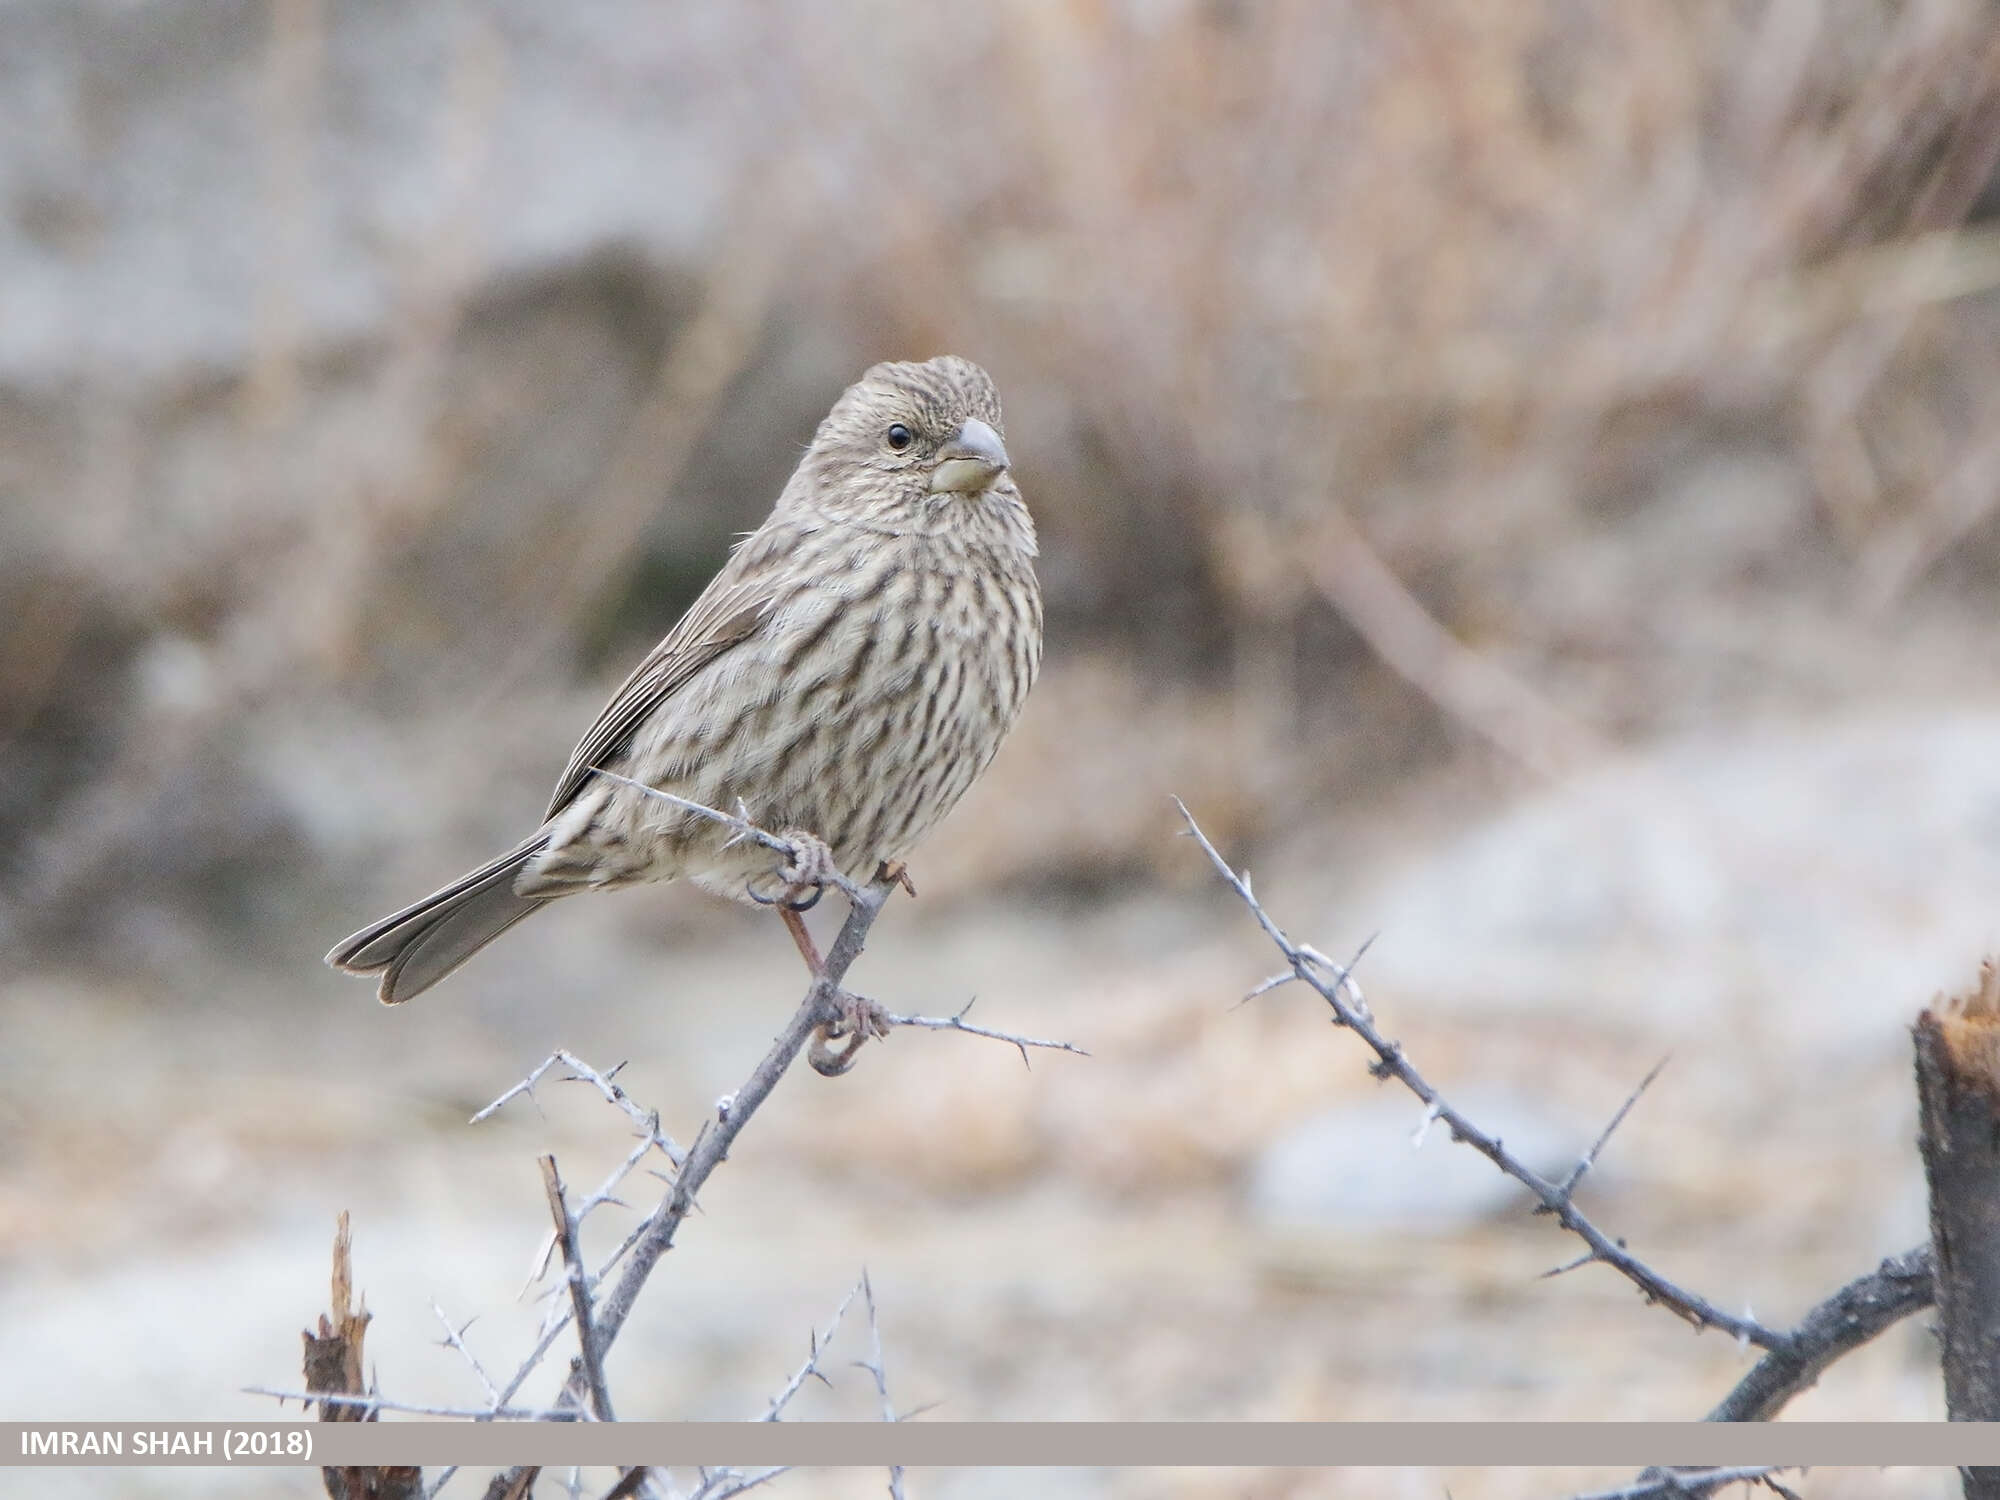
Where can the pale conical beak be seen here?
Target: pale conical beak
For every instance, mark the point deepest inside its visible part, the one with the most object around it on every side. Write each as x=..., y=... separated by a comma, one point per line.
x=972, y=460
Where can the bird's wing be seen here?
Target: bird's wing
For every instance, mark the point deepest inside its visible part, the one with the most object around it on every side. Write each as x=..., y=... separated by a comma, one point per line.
x=734, y=607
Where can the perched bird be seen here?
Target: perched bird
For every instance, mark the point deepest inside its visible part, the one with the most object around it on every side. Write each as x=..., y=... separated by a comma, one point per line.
x=845, y=677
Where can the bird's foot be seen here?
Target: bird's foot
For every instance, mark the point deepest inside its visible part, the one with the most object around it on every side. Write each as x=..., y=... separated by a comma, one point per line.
x=860, y=1018
x=804, y=879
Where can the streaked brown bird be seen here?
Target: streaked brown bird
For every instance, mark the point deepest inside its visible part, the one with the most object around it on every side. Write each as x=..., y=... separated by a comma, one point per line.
x=845, y=677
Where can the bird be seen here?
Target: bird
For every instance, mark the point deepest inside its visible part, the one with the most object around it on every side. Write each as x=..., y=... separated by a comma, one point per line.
x=846, y=677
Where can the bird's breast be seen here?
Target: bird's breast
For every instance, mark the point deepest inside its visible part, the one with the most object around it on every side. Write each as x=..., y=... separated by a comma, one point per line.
x=877, y=694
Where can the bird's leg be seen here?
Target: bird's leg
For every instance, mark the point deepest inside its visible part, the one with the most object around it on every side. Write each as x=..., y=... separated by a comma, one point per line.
x=805, y=879
x=810, y=871
x=801, y=882
x=796, y=926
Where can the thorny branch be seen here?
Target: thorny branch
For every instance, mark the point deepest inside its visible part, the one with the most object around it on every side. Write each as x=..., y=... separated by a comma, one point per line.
x=630, y=1483
x=647, y=1120
x=1695, y=1484
x=810, y=1369
x=739, y=822
x=718, y=1133
x=875, y=1368
x=959, y=1023
x=1332, y=983
x=716, y=1484
x=1794, y=1358
x=722, y=1483
x=454, y=1338
x=369, y=1404
x=651, y=1239
x=1900, y=1286
x=590, y=1356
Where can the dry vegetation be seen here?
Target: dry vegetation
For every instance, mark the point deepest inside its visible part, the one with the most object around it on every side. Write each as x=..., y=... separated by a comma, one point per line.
x=1587, y=319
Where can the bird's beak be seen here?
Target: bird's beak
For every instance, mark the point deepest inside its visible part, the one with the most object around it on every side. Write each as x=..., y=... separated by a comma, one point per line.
x=972, y=460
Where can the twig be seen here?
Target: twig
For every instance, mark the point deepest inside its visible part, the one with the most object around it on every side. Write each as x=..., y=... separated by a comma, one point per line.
x=1842, y=1323
x=525, y=1086
x=712, y=1145
x=959, y=1023
x=629, y=1484
x=651, y=1136
x=650, y=1239
x=656, y=1236
x=1555, y=1199
x=369, y=1404
x=745, y=830
x=1689, y=1484
x=1589, y=1158
x=647, y=1120
x=454, y=1338
x=591, y=1356
x=810, y=1370
x=553, y=1328
x=726, y=1482
x=874, y=1367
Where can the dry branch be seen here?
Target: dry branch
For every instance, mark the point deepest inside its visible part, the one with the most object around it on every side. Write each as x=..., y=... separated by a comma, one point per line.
x=655, y=1236
x=810, y=1369
x=1958, y=1102
x=723, y=1483
x=959, y=1023
x=875, y=1367
x=598, y=1321
x=819, y=1006
x=364, y=1407
x=590, y=1351
x=1691, y=1484
x=629, y=1484
x=824, y=1002
x=1333, y=983
x=1793, y=1360
x=1841, y=1324
x=739, y=822
x=333, y=1366
x=454, y=1338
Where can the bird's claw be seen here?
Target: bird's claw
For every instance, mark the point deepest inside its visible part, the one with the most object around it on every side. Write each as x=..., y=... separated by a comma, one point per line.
x=860, y=1018
x=803, y=880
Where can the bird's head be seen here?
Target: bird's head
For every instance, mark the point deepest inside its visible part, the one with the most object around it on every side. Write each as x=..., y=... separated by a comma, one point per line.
x=911, y=446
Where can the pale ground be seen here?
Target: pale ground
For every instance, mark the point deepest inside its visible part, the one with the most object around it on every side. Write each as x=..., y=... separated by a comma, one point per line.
x=1216, y=1215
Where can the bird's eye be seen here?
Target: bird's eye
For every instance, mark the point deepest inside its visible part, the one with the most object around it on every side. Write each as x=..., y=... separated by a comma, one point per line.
x=899, y=437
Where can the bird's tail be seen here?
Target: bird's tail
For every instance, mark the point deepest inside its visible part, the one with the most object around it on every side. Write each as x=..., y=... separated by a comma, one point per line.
x=416, y=947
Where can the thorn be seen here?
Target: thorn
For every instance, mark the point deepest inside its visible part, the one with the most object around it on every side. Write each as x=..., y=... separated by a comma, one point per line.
x=1265, y=986
x=1564, y=1269
x=1423, y=1130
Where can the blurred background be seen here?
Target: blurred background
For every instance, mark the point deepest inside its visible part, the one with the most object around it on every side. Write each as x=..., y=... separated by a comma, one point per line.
x=1524, y=472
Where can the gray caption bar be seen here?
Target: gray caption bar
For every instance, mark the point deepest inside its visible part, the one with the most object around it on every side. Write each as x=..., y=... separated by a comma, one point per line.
x=1000, y=1444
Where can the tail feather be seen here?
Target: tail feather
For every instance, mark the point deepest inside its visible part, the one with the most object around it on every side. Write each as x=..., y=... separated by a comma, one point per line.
x=416, y=947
